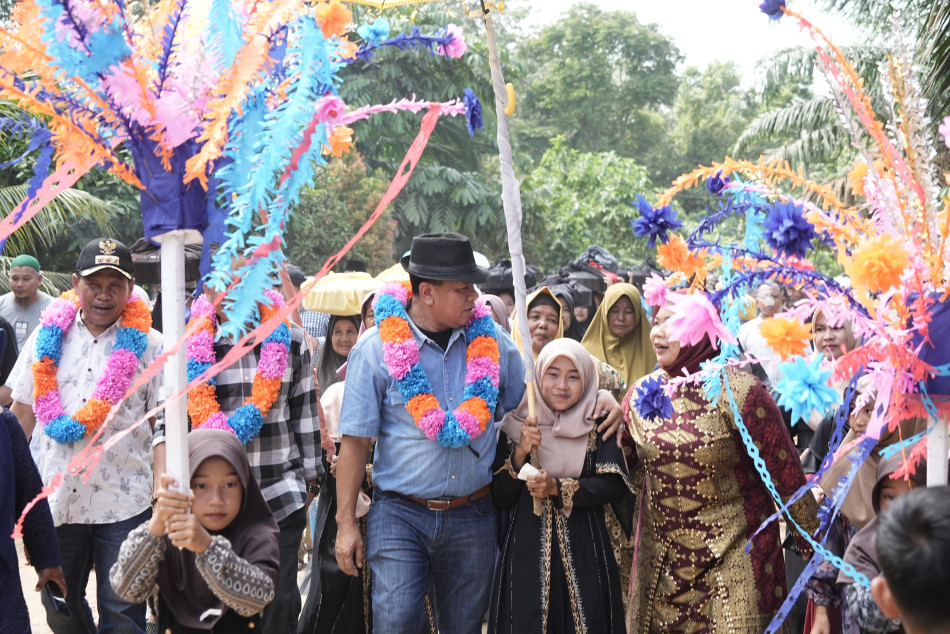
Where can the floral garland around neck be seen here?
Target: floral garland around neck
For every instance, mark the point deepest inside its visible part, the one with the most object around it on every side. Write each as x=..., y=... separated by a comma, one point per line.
x=203, y=407
x=130, y=345
x=454, y=428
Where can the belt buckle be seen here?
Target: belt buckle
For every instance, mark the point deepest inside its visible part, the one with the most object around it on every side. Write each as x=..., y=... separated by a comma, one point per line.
x=438, y=505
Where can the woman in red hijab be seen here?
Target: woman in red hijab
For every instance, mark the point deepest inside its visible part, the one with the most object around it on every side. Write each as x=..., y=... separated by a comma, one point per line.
x=703, y=498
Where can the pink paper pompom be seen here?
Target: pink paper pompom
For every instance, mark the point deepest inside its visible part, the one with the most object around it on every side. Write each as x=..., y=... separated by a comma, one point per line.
x=48, y=407
x=276, y=299
x=457, y=47
x=480, y=310
x=431, y=423
x=60, y=313
x=400, y=357
x=655, y=290
x=217, y=421
x=479, y=368
x=202, y=307
x=468, y=422
x=694, y=317
x=397, y=290
x=273, y=360
x=200, y=347
x=117, y=376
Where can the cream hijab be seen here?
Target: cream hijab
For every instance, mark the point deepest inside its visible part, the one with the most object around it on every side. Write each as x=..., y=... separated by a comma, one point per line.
x=563, y=434
x=631, y=355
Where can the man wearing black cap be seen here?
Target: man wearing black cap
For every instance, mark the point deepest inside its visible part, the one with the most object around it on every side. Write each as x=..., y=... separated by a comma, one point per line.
x=432, y=522
x=95, y=510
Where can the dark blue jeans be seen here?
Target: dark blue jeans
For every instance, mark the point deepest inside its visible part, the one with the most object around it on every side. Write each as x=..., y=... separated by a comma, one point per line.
x=82, y=547
x=412, y=550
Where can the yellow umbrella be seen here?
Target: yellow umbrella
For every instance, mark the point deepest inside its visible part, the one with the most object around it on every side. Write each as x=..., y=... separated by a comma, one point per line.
x=340, y=293
x=395, y=273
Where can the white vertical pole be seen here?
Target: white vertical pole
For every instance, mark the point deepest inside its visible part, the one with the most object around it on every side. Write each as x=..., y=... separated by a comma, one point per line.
x=175, y=371
x=937, y=449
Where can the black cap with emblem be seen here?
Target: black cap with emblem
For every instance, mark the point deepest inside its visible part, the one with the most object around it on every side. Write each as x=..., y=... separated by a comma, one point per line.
x=104, y=253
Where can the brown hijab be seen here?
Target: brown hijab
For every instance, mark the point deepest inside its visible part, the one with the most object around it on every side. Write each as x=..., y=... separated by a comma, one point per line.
x=563, y=434
x=862, y=550
x=631, y=355
x=253, y=536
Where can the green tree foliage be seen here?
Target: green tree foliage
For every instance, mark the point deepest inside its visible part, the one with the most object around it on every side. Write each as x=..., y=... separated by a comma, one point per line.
x=583, y=198
x=710, y=112
x=332, y=210
x=454, y=187
x=599, y=79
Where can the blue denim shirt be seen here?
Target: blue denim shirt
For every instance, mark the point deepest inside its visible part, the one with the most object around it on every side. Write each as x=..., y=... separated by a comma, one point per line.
x=406, y=461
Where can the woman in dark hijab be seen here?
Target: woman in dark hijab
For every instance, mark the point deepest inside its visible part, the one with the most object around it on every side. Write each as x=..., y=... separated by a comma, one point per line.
x=572, y=329
x=212, y=555
x=342, y=333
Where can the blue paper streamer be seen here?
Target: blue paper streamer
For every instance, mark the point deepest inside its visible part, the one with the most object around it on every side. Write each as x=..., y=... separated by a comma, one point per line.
x=766, y=477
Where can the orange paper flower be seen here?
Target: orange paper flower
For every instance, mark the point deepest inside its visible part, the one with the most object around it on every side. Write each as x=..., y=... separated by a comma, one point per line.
x=876, y=264
x=422, y=403
x=340, y=142
x=856, y=177
x=676, y=256
x=333, y=17
x=483, y=346
x=787, y=337
x=395, y=329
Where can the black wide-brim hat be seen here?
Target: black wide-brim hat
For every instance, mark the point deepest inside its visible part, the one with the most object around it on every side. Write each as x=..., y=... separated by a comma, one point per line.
x=443, y=256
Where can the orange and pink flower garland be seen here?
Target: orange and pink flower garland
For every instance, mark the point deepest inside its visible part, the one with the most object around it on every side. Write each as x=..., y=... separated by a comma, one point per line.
x=203, y=407
x=130, y=345
x=454, y=428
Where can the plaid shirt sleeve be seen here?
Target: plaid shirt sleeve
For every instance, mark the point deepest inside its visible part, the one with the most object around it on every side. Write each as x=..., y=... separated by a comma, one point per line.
x=303, y=406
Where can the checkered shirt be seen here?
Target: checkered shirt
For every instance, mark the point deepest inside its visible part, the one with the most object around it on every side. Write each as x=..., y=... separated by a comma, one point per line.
x=286, y=452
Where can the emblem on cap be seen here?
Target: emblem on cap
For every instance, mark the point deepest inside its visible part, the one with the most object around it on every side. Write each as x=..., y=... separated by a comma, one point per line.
x=107, y=248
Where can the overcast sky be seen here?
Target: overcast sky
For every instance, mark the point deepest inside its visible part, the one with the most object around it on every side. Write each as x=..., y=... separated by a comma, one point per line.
x=728, y=30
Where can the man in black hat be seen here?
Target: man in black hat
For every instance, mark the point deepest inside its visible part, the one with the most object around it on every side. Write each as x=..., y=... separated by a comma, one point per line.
x=431, y=525
x=432, y=522
x=95, y=510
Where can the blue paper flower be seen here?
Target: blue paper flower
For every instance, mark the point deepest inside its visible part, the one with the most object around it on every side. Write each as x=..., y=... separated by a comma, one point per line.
x=652, y=401
x=804, y=387
x=787, y=230
x=65, y=429
x=246, y=422
x=131, y=339
x=715, y=184
x=452, y=435
x=374, y=32
x=654, y=222
x=773, y=9
x=473, y=112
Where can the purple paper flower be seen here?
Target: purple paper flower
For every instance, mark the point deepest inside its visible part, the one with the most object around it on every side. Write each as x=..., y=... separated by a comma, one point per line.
x=654, y=222
x=787, y=231
x=652, y=401
x=773, y=9
x=473, y=112
x=716, y=184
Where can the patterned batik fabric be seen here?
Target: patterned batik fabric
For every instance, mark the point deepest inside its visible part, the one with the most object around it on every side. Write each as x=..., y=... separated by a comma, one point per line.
x=702, y=501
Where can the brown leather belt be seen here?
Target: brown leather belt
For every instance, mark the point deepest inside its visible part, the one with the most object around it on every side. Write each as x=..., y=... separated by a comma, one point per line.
x=444, y=505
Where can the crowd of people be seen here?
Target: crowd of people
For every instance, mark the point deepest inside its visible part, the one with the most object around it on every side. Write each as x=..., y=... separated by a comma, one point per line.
x=448, y=493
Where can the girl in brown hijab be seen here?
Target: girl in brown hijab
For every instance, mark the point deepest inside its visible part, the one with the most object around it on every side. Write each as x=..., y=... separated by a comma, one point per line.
x=212, y=555
x=619, y=335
